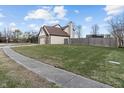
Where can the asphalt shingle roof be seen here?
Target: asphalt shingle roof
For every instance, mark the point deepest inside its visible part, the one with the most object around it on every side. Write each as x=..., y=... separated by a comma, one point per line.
x=56, y=31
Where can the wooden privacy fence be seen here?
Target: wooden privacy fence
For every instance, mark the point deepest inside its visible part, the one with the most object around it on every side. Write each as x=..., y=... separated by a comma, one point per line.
x=106, y=42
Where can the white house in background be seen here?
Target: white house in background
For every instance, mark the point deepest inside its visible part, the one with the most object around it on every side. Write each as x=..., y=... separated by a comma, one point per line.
x=55, y=34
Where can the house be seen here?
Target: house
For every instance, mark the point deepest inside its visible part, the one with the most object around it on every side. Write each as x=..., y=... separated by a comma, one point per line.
x=94, y=36
x=98, y=36
x=55, y=34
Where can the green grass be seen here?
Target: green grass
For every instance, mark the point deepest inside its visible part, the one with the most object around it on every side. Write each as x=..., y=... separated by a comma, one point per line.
x=88, y=61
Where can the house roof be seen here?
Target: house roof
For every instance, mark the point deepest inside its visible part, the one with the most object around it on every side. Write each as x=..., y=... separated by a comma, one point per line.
x=55, y=31
x=65, y=27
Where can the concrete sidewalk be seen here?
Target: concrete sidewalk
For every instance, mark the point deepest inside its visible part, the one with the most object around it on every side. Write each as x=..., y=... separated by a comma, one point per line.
x=56, y=75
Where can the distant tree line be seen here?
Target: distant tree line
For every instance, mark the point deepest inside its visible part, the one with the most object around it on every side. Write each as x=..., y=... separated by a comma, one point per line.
x=17, y=36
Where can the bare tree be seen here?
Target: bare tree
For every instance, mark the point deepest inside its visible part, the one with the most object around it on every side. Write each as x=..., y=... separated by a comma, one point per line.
x=16, y=34
x=116, y=26
x=95, y=29
x=6, y=34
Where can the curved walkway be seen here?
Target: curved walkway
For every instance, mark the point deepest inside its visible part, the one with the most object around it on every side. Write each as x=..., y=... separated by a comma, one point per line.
x=53, y=74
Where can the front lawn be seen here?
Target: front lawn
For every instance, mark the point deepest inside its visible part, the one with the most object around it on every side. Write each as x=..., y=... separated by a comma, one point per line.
x=89, y=61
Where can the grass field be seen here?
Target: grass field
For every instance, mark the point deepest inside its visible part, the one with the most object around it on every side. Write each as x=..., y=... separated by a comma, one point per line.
x=12, y=75
x=89, y=61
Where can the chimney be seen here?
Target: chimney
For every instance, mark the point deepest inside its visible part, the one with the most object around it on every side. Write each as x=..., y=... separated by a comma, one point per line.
x=71, y=27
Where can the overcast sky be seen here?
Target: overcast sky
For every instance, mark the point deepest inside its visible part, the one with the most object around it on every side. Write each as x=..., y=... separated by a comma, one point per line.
x=28, y=18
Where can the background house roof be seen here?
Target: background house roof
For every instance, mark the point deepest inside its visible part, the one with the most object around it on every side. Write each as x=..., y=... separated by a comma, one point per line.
x=65, y=27
x=56, y=31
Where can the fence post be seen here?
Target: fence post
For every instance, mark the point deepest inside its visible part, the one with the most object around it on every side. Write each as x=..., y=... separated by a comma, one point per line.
x=109, y=42
x=69, y=41
x=88, y=41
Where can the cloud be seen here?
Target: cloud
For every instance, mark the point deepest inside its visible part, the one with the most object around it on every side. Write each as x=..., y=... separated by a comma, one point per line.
x=52, y=22
x=114, y=9
x=84, y=27
x=60, y=12
x=39, y=14
x=1, y=15
x=1, y=23
x=108, y=18
x=102, y=25
x=34, y=27
x=23, y=23
x=76, y=11
x=13, y=29
x=88, y=19
x=49, y=15
x=12, y=24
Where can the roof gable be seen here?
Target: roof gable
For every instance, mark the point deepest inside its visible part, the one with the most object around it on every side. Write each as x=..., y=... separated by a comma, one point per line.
x=42, y=33
x=55, y=31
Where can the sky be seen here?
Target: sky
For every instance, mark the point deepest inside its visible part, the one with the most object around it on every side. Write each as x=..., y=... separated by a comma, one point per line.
x=31, y=17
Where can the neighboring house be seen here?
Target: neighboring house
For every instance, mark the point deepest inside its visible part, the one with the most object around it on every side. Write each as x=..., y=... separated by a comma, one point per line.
x=94, y=36
x=99, y=36
x=55, y=34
